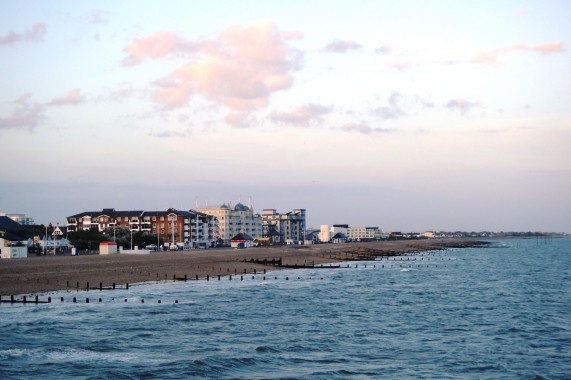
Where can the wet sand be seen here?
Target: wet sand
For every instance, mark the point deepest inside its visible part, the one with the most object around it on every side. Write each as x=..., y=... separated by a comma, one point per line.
x=37, y=275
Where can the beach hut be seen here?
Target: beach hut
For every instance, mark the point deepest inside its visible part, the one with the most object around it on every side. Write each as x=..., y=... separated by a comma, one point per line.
x=242, y=240
x=338, y=238
x=107, y=247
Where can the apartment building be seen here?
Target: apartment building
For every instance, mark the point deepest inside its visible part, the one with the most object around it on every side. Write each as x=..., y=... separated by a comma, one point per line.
x=365, y=234
x=191, y=229
x=234, y=220
x=290, y=226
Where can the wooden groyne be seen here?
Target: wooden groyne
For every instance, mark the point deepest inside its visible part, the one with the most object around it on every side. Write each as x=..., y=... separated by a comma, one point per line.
x=46, y=274
x=278, y=263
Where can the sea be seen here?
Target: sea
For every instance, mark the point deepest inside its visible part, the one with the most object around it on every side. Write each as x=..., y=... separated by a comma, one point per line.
x=500, y=312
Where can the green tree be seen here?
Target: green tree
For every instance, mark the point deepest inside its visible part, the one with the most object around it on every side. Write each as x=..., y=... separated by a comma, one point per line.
x=122, y=236
x=86, y=239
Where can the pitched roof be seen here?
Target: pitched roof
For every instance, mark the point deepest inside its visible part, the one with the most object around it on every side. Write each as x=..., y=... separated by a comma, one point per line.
x=272, y=232
x=13, y=231
x=241, y=237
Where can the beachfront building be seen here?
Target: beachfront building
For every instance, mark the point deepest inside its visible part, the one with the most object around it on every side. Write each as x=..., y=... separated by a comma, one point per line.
x=289, y=226
x=19, y=218
x=337, y=231
x=242, y=240
x=365, y=234
x=13, y=239
x=233, y=220
x=185, y=229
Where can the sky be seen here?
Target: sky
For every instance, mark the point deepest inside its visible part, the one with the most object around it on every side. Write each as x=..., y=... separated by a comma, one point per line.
x=407, y=115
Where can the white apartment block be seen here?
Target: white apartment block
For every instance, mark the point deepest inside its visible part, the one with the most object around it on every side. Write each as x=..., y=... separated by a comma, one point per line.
x=290, y=226
x=233, y=220
x=365, y=233
x=327, y=232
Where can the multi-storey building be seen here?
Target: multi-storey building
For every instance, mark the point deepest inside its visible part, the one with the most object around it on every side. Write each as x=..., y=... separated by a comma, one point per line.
x=290, y=226
x=233, y=220
x=190, y=229
x=365, y=234
x=19, y=218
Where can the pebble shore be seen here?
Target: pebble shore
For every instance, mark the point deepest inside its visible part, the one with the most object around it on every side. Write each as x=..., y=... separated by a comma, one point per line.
x=39, y=275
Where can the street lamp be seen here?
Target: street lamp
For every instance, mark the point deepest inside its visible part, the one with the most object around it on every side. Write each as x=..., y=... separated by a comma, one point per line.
x=46, y=242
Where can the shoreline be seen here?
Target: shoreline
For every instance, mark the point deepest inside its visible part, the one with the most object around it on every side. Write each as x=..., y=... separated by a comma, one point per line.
x=40, y=275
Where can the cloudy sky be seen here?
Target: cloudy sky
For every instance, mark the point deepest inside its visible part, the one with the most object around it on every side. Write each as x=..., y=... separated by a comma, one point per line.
x=407, y=115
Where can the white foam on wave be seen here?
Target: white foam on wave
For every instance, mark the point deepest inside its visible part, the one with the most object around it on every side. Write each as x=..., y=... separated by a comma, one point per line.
x=65, y=354
x=83, y=355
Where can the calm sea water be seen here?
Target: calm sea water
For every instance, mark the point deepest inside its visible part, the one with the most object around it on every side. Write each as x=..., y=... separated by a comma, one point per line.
x=500, y=312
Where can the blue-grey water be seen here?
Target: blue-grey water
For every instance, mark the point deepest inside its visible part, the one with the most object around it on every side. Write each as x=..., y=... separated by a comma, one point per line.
x=499, y=312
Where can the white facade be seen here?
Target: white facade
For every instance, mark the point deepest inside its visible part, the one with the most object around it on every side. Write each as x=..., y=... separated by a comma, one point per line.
x=365, y=233
x=233, y=220
x=324, y=235
x=7, y=252
x=107, y=248
x=290, y=226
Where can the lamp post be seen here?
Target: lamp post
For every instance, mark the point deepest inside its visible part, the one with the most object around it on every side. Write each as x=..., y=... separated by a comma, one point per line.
x=46, y=242
x=131, y=237
x=54, y=234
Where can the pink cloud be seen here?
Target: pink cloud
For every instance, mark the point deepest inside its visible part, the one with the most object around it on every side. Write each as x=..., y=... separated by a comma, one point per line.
x=492, y=57
x=239, y=69
x=341, y=46
x=72, y=98
x=26, y=115
x=550, y=47
x=301, y=116
x=158, y=45
x=36, y=33
x=292, y=35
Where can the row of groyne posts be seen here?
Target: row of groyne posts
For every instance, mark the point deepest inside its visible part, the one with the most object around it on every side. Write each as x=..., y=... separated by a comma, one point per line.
x=356, y=255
